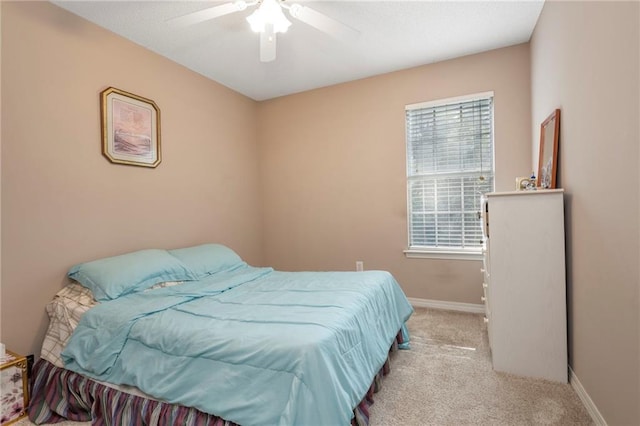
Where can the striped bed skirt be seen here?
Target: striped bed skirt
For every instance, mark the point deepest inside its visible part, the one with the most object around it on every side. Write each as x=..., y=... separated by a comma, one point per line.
x=59, y=394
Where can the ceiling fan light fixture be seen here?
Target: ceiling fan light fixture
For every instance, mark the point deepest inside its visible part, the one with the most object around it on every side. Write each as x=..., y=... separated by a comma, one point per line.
x=269, y=12
x=295, y=10
x=240, y=5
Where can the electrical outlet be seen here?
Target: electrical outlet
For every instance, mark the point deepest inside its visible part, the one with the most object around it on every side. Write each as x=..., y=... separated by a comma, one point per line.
x=359, y=265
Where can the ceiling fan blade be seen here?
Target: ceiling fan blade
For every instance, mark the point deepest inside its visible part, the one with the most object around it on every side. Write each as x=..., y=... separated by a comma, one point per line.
x=267, y=44
x=207, y=14
x=322, y=22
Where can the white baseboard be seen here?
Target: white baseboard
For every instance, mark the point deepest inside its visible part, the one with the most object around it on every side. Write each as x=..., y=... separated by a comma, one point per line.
x=449, y=306
x=586, y=399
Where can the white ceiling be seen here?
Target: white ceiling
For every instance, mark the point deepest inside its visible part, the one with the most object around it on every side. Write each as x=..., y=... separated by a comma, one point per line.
x=394, y=35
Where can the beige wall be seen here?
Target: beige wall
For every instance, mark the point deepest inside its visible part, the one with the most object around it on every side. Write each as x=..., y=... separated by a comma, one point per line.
x=63, y=202
x=584, y=58
x=333, y=168
x=328, y=167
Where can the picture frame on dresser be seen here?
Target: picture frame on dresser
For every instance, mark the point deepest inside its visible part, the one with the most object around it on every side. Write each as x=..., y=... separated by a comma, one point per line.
x=548, y=153
x=130, y=128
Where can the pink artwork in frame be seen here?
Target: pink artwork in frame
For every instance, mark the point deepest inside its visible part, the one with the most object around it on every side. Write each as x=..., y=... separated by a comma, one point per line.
x=130, y=128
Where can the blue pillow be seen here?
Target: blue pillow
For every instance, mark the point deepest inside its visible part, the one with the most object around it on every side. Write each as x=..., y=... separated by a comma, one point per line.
x=112, y=277
x=208, y=259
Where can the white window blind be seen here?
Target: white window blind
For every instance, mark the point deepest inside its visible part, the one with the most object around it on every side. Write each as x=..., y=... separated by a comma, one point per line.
x=449, y=166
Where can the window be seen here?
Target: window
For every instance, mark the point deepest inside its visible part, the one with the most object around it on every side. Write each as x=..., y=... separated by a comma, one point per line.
x=449, y=166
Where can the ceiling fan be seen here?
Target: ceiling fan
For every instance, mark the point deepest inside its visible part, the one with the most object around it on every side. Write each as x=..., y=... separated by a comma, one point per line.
x=268, y=19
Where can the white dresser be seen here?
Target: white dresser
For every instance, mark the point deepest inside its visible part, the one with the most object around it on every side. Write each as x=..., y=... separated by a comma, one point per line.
x=524, y=283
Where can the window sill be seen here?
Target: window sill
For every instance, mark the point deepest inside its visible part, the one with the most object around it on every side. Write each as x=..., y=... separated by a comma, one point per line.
x=442, y=254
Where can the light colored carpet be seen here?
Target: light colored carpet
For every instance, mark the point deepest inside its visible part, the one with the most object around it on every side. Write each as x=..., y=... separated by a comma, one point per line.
x=447, y=379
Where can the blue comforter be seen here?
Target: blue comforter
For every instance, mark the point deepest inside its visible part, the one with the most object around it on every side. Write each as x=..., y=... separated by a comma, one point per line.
x=253, y=345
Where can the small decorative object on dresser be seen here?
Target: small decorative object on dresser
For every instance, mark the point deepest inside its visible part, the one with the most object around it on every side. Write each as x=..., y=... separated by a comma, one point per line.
x=13, y=388
x=521, y=183
x=525, y=183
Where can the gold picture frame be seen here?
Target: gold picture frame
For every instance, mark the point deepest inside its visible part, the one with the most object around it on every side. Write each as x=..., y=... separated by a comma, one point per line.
x=130, y=128
x=548, y=158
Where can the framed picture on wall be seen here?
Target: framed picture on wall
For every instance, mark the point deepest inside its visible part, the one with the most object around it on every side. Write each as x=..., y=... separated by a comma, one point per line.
x=130, y=128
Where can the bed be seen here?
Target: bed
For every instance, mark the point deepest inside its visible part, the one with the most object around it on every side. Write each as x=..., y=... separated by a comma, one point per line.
x=197, y=336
